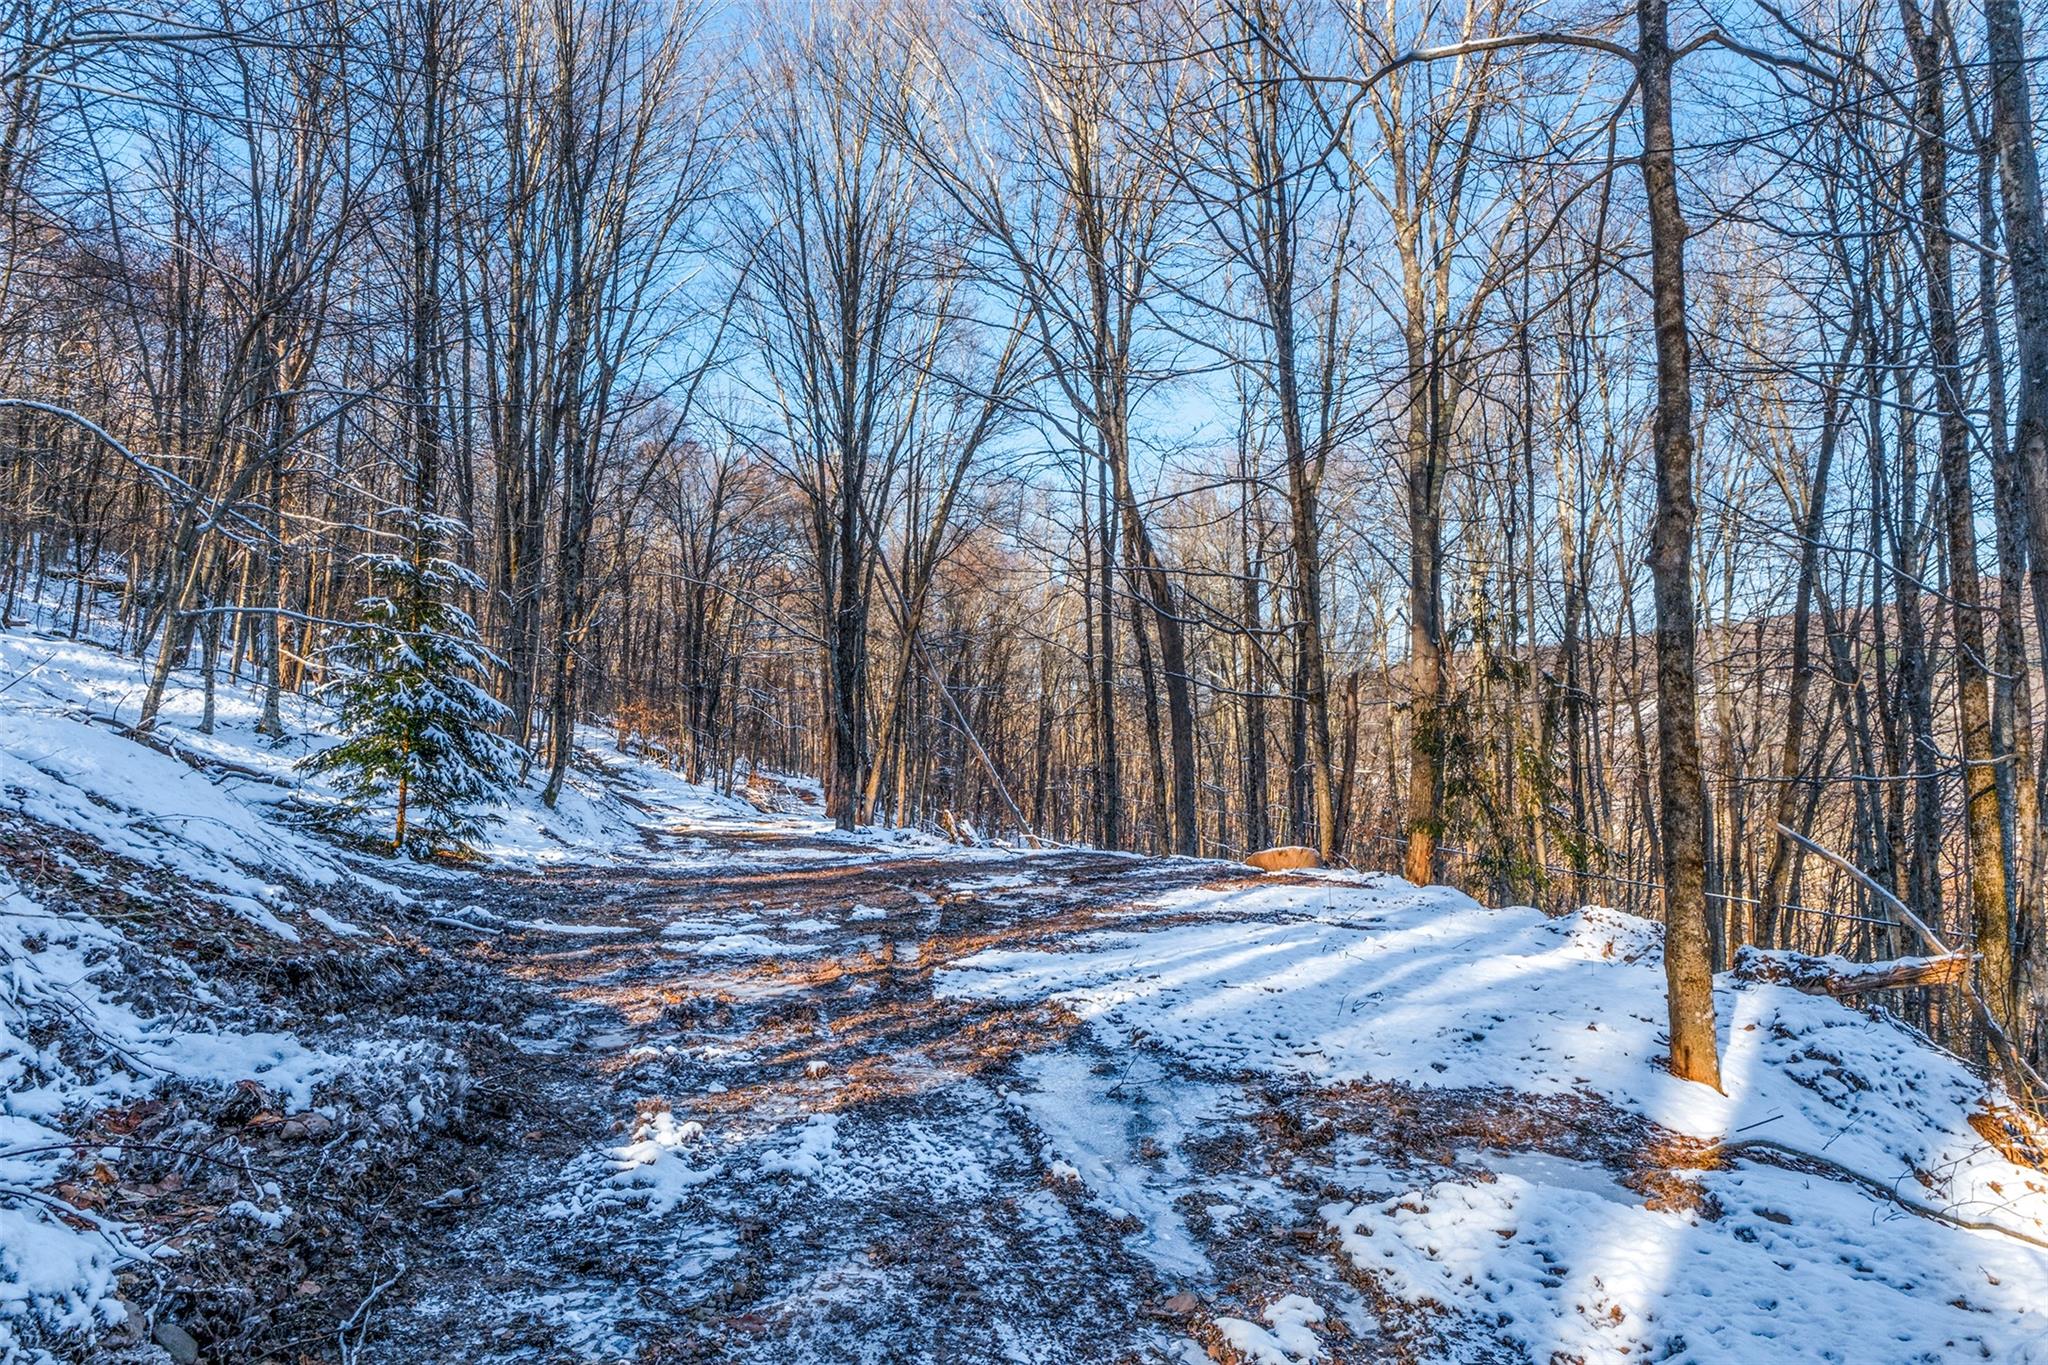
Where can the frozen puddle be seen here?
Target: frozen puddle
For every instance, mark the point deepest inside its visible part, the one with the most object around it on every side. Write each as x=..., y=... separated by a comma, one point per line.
x=1541, y=1168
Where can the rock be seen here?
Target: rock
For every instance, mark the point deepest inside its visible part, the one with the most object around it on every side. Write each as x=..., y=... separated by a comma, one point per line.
x=307, y=1125
x=129, y=1328
x=177, y=1342
x=295, y=1128
x=1285, y=858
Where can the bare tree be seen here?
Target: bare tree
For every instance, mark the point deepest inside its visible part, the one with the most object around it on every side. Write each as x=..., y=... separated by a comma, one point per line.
x=840, y=270
x=1255, y=155
x=1680, y=779
x=1077, y=206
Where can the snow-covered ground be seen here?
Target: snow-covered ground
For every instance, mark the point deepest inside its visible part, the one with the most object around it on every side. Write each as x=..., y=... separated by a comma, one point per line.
x=65, y=757
x=74, y=1036
x=1147, y=1109
x=1811, y=1230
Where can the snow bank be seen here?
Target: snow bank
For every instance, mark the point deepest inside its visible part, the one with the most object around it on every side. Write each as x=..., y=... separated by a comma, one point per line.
x=1337, y=979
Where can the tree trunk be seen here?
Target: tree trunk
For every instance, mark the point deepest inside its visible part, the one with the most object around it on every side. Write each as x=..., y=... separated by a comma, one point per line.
x=1680, y=784
x=1988, y=911
x=2026, y=243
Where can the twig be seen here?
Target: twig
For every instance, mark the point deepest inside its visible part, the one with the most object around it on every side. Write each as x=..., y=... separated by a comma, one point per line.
x=348, y=1354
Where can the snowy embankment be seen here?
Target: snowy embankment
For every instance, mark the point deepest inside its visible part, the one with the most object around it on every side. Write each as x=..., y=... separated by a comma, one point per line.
x=1816, y=1210
x=118, y=855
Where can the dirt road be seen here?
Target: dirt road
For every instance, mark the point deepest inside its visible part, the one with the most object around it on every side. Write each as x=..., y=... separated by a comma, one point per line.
x=741, y=1125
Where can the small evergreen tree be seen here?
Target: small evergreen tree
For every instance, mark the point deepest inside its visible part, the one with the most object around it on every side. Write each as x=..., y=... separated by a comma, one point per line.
x=416, y=716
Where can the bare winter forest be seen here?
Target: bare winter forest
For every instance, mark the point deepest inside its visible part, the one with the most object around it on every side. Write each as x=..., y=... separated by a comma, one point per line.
x=1579, y=454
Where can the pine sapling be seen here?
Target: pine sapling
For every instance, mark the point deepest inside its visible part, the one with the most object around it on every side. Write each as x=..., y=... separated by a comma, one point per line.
x=416, y=717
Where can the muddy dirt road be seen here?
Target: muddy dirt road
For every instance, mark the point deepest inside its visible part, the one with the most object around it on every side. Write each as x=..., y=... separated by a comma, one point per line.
x=742, y=1125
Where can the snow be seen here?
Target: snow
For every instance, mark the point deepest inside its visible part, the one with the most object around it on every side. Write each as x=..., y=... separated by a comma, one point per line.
x=814, y=1143
x=1428, y=988
x=241, y=830
x=1820, y=1236
x=478, y=917
x=601, y=812
x=656, y=1170
x=73, y=1039
x=1290, y=1340
x=1091, y=1137
x=1354, y=978
x=229, y=825
x=70, y=965
x=54, y=1275
x=751, y=945
x=1794, y=1268
x=70, y=1044
x=61, y=761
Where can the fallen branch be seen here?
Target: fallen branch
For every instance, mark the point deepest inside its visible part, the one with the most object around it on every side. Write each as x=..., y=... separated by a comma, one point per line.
x=1841, y=978
x=2020, y=1078
x=1793, y=1158
x=362, y=1309
x=453, y=922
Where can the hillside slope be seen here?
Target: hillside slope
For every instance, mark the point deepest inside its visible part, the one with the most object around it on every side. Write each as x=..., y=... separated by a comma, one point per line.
x=176, y=937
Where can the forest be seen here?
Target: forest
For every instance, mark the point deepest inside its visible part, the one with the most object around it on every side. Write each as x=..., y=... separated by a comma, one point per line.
x=1557, y=454
x=1541, y=448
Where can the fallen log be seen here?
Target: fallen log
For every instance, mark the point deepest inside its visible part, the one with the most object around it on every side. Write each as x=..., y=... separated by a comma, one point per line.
x=1841, y=978
x=2019, y=1076
x=1284, y=859
x=210, y=766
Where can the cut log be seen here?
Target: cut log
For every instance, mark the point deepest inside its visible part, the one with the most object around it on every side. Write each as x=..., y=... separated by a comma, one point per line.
x=1841, y=978
x=1284, y=859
